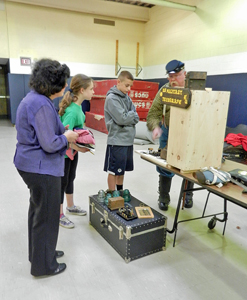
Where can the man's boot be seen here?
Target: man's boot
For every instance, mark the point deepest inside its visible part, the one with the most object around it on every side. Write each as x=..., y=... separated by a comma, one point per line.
x=164, y=189
x=189, y=195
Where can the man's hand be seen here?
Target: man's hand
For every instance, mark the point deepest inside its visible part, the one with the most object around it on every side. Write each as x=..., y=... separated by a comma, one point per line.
x=156, y=133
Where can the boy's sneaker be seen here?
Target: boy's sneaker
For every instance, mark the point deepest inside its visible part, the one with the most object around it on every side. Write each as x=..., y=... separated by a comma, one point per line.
x=65, y=222
x=76, y=210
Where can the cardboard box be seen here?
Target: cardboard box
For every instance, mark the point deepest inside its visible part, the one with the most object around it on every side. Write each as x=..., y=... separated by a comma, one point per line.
x=115, y=203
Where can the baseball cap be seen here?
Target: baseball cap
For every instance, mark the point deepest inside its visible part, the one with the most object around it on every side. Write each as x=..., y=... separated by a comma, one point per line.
x=174, y=66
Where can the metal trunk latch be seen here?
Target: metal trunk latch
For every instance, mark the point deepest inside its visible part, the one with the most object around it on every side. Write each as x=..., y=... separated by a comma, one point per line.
x=104, y=220
x=128, y=232
x=92, y=208
x=121, y=233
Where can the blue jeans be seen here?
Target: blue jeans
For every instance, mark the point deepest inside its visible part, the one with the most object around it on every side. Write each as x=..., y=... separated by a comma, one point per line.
x=163, y=143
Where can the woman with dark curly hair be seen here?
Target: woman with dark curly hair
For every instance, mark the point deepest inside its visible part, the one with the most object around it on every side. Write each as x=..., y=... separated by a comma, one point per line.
x=39, y=159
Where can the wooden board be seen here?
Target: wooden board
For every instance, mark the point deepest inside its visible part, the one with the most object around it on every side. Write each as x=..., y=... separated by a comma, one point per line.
x=196, y=134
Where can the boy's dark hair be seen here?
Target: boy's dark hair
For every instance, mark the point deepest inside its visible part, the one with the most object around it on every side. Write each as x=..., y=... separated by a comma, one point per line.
x=125, y=74
x=48, y=77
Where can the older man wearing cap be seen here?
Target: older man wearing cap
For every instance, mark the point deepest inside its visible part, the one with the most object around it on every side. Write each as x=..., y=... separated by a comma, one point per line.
x=158, y=122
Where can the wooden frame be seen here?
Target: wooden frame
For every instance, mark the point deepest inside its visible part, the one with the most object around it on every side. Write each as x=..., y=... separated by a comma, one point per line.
x=118, y=67
x=144, y=212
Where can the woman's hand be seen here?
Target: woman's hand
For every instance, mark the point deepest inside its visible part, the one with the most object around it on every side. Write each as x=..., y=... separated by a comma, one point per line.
x=71, y=136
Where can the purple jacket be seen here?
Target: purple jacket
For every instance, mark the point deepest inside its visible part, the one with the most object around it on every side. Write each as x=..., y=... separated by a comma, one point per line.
x=41, y=144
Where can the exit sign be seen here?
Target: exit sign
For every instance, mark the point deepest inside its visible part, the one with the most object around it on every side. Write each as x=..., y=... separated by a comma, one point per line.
x=25, y=61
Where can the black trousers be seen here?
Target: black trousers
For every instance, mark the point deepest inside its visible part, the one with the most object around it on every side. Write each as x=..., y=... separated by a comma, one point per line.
x=43, y=221
x=69, y=176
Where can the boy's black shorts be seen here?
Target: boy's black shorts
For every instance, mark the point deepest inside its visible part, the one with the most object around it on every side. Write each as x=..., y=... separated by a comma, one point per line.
x=118, y=159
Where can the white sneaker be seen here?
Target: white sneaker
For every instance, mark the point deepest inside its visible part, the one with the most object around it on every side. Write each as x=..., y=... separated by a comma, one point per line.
x=65, y=222
x=76, y=210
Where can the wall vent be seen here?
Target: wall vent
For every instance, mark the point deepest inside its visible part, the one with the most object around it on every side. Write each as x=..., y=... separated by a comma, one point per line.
x=104, y=22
